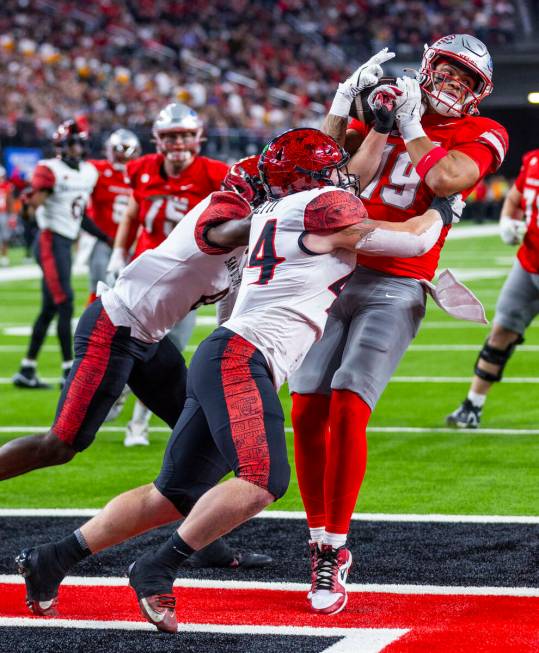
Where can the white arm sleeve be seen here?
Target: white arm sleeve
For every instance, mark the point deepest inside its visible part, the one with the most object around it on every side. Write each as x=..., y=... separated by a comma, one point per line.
x=382, y=242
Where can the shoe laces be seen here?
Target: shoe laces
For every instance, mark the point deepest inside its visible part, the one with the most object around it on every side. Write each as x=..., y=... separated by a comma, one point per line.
x=166, y=601
x=326, y=568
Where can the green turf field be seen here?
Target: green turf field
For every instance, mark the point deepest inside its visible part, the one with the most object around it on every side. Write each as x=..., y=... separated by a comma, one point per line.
x=422, y=471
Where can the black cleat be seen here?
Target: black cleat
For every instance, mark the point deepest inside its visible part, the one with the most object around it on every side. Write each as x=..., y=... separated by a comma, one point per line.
x=153, y=587
x=41, y=584
x=466, y=416
x=218, y=555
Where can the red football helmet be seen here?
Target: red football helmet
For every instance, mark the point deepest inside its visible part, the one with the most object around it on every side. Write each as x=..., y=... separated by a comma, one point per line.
x=243, y=178
x=302, y=159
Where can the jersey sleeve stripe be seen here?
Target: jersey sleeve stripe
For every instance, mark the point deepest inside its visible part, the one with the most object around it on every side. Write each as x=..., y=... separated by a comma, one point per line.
x=491, y=139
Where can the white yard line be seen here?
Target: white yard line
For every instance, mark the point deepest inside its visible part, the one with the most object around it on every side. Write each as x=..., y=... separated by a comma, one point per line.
x=286, y=514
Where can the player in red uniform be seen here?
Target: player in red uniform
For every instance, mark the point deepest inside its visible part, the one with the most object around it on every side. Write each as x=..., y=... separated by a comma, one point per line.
x=441, y=147
x=518, y=302
x=108, y=201
x=165, y=186
x=6, y=213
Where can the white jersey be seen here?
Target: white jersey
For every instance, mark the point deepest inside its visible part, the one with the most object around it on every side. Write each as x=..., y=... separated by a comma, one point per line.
x=163, y=284
x=62, y=211
x=286, y=290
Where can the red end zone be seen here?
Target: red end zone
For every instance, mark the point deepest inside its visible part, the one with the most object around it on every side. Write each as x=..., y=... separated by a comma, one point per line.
x=436, y=624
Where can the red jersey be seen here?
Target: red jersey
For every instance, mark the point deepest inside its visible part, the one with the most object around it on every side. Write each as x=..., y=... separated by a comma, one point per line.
x=108, y=201
x=527, y=183
x=396, y=193
x=6, y=191
x=163, y=201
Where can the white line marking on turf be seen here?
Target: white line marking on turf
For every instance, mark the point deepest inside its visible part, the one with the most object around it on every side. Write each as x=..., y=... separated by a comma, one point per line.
x=12, y=430
x=460, y=347
x=298, y=514
x=366, y=640
x=396, y=379
x=374, y=588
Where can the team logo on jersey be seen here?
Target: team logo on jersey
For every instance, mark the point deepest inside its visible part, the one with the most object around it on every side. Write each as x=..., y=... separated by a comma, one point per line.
x=145, y=178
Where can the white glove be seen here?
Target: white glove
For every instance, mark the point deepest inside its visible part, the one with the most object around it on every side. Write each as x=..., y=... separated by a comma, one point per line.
x=409, y=109
x=366, y=75
x=511, y=231
x=117, y=263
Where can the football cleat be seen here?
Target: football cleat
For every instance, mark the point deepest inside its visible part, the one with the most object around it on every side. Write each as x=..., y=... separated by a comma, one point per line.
x=41, y=586
x=136, y=434
x=467, y=416
x=332, y=567
x=218, y=555
x=30, y=380
x=153, y=588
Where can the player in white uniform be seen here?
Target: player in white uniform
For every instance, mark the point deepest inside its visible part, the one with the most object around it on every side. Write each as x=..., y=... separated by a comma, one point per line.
x=60, y=190
x=232, y=418
x=120, y=339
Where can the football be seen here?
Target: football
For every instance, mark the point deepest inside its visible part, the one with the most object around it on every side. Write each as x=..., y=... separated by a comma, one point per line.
x=360, y=108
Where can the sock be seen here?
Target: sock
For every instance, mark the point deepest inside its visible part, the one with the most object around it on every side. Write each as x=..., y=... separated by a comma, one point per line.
x=310, y=419
x=26, y=362
x=477, y=400
x=336, y=540
x=317, y=534
x=70, y=550
x=141, y=414
x=172, y=553
x=346, y=460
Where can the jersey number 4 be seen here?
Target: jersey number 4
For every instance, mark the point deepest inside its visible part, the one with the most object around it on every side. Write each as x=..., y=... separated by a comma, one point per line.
x=264, y=255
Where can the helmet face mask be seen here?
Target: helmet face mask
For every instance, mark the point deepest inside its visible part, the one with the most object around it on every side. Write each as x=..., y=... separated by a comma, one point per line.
x=178, y=133
x=467, y=56
x=303, y=159
x=122, y=146
x=244, y=178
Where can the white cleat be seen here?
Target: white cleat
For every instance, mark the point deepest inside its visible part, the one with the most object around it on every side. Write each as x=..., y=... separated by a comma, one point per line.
x=136, y=435
x=332, y=567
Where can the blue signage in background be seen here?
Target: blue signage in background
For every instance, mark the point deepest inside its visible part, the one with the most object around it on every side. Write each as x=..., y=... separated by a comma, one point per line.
x=21, y=161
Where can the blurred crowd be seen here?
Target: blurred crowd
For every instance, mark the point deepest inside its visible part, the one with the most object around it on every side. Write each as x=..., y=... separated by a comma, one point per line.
x=257, y=65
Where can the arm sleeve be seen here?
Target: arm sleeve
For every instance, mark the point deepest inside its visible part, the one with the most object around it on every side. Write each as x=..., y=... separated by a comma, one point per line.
x=91, y=227
x=382, y=242
x=43, y=178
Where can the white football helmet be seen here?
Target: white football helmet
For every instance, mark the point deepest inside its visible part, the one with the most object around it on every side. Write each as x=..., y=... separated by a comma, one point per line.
x=122, y=146
x=3, y=173
x=173, y=119
x=466, y=52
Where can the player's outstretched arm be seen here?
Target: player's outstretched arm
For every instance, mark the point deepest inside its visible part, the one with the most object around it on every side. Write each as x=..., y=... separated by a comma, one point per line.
x=367, y=74
x=413, y=237
x=230, y=234
x=512, y=225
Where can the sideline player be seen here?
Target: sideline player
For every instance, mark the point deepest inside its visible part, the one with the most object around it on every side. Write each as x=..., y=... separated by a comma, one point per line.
x=446, y=150
x=109, y=198
x=61, y=187
x=166, y=185
x=6, y=213
x=518, y=302
x=302, y=249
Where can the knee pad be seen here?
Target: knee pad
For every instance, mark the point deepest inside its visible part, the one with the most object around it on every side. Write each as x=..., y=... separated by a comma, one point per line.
x=495, y=356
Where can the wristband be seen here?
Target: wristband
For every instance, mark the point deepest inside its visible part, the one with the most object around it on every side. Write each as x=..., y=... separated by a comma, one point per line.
x=410, y=131
x=429, y=160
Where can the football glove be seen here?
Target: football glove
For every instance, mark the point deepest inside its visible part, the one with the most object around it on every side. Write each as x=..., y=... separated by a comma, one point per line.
x=450, y=208
x=383, y=102
x=366, y=75
x=409, y=109
x=511, y=231
x=117, y=263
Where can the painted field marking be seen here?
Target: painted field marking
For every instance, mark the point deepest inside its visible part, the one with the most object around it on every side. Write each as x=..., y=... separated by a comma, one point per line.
x=448, y=347
x=298, y=514
x=13, y=430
